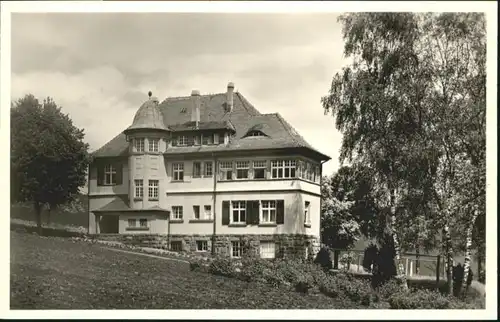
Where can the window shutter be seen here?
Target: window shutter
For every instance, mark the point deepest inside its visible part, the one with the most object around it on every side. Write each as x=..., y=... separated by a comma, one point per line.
x=100, y=174
x=234, y=170
x=280, y=212
x=225, y=213
x=216, y=138
x=268, y=172
x=256, y=212
x=119, y=173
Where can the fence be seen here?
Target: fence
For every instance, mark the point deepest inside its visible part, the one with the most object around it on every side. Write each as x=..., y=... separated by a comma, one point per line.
x=428, y=265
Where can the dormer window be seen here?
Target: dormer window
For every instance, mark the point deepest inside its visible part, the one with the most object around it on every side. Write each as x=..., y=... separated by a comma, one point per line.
x=182, y=140
x=254, y=133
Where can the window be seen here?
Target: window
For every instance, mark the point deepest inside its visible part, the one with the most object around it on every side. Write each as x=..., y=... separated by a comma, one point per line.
x=317, y=174
x=255, y=133
x=310, y=172
x=131, y=223
x=242, y=168
x=139, y=189
x=178, y=171
x=176, y=246
x=304, y=170
x=259, y=169
x=283, y=169
x=153, y=189
x=182, y=140
x=226, y=169
x=208, y=212
x=153, y=145
x=196, y=169
x=196, y=212
x=109, y=175
x=177, y=212
x=236, y=249
x=143, y=222
x=207, y=139
x=239, y=212
x=307, y=212
x=268, y=211
x=202, y=245
x=139, y=144
x=208, y=169
x=267, y=249
x=196, y=140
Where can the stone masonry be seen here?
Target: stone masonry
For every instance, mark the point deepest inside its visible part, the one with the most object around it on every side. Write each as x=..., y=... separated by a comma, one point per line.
x=286, y=245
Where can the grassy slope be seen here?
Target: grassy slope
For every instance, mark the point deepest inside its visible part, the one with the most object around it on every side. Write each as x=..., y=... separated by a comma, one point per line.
x=53, y=273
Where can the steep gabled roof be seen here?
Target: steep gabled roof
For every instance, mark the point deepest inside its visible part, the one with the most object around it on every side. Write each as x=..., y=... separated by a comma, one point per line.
x=244, y=117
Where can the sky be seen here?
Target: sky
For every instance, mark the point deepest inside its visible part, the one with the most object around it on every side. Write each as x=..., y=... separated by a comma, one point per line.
x=100, y=66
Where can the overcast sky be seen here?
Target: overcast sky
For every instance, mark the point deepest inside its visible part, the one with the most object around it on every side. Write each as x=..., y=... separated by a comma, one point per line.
x=99, y=67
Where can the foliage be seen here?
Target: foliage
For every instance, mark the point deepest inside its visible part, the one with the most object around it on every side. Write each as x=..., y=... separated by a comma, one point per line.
x=425, y=299
x=411, y=107
x=369, y=256
x=222, y=266
x=384, y=268
x=255, y=269
x=388, y=288
x=49, y=158
x=346, y=259
x=323, y=258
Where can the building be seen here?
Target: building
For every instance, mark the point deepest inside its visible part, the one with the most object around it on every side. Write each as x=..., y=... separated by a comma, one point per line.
x=208, y=173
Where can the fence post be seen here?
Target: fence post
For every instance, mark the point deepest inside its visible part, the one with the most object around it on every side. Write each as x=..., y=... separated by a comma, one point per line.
x=406, y=266
x=438, y=273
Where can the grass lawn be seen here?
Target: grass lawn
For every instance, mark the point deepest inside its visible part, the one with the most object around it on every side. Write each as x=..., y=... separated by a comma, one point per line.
x=57, y=273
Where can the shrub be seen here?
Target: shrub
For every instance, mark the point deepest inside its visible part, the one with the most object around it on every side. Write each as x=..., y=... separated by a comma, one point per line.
x=424, y=299
x=355, y=289
x=369, y=257
x=458, y=275
x=290, y=270
x=384, y=268
x=389, y=288
x=304, y=283
x=222, y=266
x=323, y=258
x=346, y=260
x=253, y=269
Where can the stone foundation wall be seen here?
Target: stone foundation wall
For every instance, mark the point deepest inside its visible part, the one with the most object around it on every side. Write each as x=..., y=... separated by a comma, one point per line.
x=286, y=245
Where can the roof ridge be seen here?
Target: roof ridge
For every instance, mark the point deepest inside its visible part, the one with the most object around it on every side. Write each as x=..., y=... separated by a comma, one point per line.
x=245, y=104
x=286, y=126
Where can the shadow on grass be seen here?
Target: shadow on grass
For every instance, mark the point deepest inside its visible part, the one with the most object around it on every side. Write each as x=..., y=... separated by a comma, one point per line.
x=48, y=232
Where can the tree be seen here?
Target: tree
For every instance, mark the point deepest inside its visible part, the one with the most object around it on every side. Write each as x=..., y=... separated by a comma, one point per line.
x=49, y=158
x=411, y=108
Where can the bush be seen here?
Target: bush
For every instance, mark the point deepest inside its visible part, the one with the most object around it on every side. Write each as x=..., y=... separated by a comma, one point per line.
x=389, y=288
x=384, y=268
x=345, y=285
x=253, y=269
x=323, y=258
x=424, y=299
x=222, y=266
x=369, y=257
x=458, y=276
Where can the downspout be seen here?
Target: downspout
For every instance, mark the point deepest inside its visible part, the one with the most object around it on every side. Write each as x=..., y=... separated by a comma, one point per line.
x=320, y=197
x=214, y=197
x=88, y=201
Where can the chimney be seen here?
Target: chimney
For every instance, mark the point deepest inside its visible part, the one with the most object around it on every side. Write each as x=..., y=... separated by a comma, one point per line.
x=195, y=111
x=229, y=96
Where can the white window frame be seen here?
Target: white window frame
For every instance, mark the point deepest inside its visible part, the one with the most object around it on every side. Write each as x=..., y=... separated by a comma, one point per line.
x=242, y=165
x=132, y=223
x=139, y=144
x=208, y=169
x=279, y=168
x=197, y=175
x=268, y=208
x=139, y=188
x=177, y=213
x=207, y=211
x=307, y=212
x=259, y=165
x=177, y=170
x=204, y=246
x=267, y=249
x=142, y=221
x=239, y=206
x=111, y=171
x=153, y=189
x=236, y=249
x=182, y=140
x=153, y=145
x=194, y=212
x=224, y=168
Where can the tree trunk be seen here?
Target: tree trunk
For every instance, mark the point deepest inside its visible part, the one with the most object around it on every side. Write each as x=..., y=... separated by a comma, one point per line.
x=479, y=268
x=449, y=258
x=397, y=258
x=417, y=261
x=468, y=246
x=38, y=214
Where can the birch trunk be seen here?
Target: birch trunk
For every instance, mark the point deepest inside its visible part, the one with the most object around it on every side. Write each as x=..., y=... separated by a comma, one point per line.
x=397, y=259
x=468, y=246
x=449, y=258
